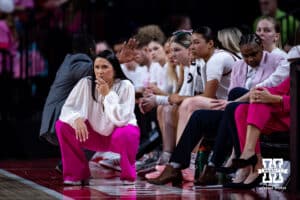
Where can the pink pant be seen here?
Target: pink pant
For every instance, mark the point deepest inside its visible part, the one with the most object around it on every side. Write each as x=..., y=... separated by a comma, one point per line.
x=262, y=116
x=123, y=140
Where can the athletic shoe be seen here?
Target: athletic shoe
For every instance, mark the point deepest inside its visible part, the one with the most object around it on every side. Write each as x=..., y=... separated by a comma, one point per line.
x=127, y=182
x=111, y=163
x=76, y=183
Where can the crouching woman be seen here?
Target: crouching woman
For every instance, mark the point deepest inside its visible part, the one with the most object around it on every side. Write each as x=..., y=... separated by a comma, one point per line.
x=99, y=115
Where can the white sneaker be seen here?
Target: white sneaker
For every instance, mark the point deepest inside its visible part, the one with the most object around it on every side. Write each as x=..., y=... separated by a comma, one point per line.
x=77, y=183
x=111, y=163
x=104, y=155
x=74, y=183
x=126, y=182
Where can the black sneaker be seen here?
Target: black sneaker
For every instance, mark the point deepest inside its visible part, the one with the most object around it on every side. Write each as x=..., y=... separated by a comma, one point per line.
x=59, y=167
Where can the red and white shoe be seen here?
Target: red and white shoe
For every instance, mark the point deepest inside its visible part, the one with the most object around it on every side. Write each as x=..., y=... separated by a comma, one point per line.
x=155, y=174
x=188, y=174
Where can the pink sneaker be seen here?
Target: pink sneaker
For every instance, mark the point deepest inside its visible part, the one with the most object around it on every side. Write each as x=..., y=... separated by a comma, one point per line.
x=188, y=174
x=153, y=175
x=160, y=167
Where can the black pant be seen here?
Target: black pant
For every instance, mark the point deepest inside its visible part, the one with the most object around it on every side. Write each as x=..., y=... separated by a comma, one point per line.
x=209, y=123
x=227, y=133
x=144, y=122
x=201, y=122
x=236, y=93
x=227, y=136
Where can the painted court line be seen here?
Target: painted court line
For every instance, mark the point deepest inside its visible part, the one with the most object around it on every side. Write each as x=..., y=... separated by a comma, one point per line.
x=34, y=185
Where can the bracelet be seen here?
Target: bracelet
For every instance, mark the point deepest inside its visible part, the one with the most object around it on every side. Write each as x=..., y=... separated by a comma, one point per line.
x=281, y=99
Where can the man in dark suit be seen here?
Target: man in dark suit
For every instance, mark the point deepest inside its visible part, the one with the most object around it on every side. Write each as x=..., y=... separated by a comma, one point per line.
x=75, y=66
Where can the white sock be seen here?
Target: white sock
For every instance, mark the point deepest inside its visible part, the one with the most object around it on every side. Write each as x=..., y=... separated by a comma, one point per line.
x=193, y=160
x=211, y=164
x=175, y=165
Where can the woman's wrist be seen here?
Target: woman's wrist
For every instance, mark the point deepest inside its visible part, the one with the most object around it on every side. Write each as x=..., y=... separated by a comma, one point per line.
x=278, y=99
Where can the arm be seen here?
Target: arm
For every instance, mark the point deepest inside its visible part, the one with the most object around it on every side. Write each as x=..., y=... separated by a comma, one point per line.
x=176, y=98
x=74, y=106
x=220, y=104
x=263, y=95
x=74, y=111
x=210, y=89
x=280, y=93
x=127, y=53
x=279, y=75
x=244, y=98
x=153, y=87
x=216, y=67
x=120, y=107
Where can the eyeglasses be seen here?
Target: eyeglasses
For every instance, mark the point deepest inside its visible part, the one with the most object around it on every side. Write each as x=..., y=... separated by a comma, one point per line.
x=183, y=31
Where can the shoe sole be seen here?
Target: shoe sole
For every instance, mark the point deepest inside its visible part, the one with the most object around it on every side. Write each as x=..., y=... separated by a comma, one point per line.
x=109, y=166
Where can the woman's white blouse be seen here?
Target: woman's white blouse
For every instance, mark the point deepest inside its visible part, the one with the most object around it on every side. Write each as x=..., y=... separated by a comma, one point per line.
x=116, y=109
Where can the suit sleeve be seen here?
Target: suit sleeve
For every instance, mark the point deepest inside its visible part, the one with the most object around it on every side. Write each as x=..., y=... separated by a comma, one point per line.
x=281, y=72
x=82, y=69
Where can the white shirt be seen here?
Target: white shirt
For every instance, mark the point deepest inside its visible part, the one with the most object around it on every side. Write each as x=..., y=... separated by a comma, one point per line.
x=116, y=109
x=251, y=72
x=218, y=67
x=279, y=52
x=281, y=72
x=135, y=75
x=164, y=81
x=199, y=80
x=7, y=6
x=158, y=75
x=187, y=88
x=148, y=74
x=294, y=52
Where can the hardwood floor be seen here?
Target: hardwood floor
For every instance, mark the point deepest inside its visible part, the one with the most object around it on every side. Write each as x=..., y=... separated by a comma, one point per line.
x=38, y=179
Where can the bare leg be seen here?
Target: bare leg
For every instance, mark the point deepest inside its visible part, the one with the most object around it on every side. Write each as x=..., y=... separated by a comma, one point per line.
x=169, y=128
x=160, y=118
x=248, y=174
x=254, y=174
x=241, y=174
x=229, y=161
x=253, y=134
x=186, y=109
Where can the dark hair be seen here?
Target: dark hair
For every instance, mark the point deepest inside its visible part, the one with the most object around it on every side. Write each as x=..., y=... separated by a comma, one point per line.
x=113, y=60
x=250, y=39
x=83, y=43
x=207, y=34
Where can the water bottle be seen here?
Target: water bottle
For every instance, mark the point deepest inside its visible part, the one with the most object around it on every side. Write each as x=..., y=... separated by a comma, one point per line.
x=201, y=160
